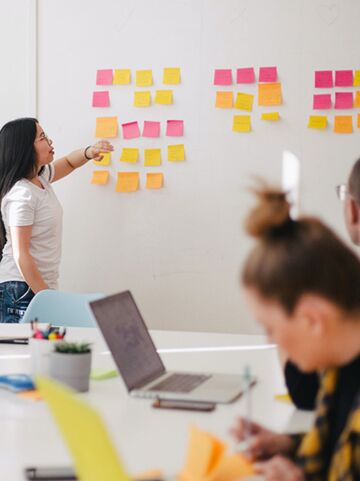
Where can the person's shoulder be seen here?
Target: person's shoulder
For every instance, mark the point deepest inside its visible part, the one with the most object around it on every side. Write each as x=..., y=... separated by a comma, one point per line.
x=21, y=191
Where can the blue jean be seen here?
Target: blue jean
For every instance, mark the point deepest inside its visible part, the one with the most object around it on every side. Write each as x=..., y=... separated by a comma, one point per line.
x=15, y=296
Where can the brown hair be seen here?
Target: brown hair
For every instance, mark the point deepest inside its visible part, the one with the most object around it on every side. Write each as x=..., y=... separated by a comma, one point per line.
x=354, y=181
x=292, y=258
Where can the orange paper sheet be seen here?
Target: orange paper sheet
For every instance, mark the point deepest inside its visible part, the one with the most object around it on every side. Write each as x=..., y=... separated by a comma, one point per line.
x=106, y=127
x=100, y=177
x=154, y=180
x=269, y=94
x=343, y=124
x=224, y=100
x=127, y=182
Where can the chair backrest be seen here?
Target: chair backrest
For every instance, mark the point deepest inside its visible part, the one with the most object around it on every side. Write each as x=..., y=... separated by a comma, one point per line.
x=62, y=308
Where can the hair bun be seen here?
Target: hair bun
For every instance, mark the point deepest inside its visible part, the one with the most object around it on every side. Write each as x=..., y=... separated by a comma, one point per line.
x=271, y=212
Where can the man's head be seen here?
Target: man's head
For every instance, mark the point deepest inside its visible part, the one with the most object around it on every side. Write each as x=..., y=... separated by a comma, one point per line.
x=350, y=193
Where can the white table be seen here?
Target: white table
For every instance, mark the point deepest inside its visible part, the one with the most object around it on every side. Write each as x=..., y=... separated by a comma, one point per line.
x=145, y=438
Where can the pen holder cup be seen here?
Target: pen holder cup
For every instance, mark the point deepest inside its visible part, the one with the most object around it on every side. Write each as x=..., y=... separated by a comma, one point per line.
x=40, y=350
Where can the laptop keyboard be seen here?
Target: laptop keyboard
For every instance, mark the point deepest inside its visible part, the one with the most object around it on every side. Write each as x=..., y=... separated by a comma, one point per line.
x=180, y=382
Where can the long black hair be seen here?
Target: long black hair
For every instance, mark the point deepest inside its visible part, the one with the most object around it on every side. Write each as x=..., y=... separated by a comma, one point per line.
x=17, y=158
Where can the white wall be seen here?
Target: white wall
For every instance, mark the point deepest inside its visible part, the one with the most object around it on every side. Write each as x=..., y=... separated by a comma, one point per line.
x=179, y=250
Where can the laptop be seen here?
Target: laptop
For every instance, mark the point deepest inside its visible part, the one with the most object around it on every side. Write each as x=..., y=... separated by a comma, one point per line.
x=140, y=365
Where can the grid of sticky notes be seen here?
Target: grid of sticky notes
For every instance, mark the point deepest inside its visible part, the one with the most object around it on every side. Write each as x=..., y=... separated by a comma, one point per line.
x=265, y=85
x=111, y=127
x=335, y=90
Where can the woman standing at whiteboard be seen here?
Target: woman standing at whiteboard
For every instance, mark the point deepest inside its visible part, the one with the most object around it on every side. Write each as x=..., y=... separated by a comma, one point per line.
x=31, y=215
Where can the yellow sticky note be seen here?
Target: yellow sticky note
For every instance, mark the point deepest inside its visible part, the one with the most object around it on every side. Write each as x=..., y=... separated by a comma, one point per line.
x=154, y=180
x=356, y=78
x=106, y=156
x=343, y=124
x=357, y=99
x=152, y=157
x=142, y=99
x=224, y=100
x=91, y=448
x=176, y=152
x=100, y=177
x=317, y=122
x=106, y=127
x=129, y=155
x=233, y=468
x=244, y=101
x=171, y=76
x=270, y=116
x=144, y=78
x=283, y=397
x=241, y=123
x=269, y=94
x=121, y=76
x=127, y=182
x=164, y=97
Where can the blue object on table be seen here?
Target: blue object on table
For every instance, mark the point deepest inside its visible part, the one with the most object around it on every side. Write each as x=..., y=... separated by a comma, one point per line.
x=17, y=382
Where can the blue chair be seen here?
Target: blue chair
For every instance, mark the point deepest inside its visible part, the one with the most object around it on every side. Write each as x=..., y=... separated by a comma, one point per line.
x=62, y=308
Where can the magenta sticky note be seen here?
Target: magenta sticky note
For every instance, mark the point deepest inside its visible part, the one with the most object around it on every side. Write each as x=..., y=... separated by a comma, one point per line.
x=101, y=99
x=245, y=75
x=344, y=100
x=130, y=130
x=344, y=78
x=104, y=77
x=324, y=79
x=223, y=77
x=151, y=129
x=175, y=128
x=322, y=101
x=268, y=74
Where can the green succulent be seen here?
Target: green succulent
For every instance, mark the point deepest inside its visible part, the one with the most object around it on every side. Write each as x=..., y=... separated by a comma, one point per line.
x=72, y=347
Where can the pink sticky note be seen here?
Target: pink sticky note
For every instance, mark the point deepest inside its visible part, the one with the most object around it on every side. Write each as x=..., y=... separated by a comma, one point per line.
x=324, y=79
x=175, y=128
x=223, y=77
x=322, y=101
x=130, y=130
x=344, y=78
x=268, y=74
x=151, y=129
x=101, y=99
x=104, y=77
x=344, y=100
x=245, y=75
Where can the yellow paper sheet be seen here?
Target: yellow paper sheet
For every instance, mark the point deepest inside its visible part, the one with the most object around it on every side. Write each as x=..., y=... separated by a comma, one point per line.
x=171, y=76
x=106, y=127
x=142, y=99
x=176, y=152
x=273, y=116
x=269, y=94
x=121, y=76
x=357, y=99
x=164, y=97
x=100, y=177
x=154, y=180
x=317, y=122
x=244, y=101
x=152, y=157
x=241, y=123
x=356, y=78
x=127, y=182
x=85, y=434
x=144, y=78
x=283, y=397
x=129, y=155
x=224, y=100
x=106, y=157
x=343, y=124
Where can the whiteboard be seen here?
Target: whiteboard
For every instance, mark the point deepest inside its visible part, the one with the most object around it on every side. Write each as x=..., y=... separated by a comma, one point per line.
x=180, y=249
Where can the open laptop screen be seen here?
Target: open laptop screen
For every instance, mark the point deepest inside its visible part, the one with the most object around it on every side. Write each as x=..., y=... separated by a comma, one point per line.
x=128, y=339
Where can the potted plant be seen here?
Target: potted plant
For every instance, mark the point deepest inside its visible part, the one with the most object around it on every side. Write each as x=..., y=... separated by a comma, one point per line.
x=70, y=363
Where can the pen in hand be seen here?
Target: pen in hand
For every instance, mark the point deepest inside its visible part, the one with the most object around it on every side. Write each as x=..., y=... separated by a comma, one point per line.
x=245, y=444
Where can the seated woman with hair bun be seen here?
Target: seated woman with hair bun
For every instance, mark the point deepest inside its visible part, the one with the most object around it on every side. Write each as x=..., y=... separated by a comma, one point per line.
x=302, y=283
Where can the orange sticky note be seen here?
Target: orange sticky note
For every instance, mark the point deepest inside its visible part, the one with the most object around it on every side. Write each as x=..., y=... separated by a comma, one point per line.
x=106, y=127
x=144, y=78
x=33, y=395
x=127, y=182
x=357, y=99
x=176, y=152
x=121, y=76
x=269, y=94
x=142, y=99
x=233, y=468
x=244, y=101
x=154, y=180
x=358, y=121
x=224, y=100
x=100, y=177
x=152, y=157
x=164, y=97
x=343, y=124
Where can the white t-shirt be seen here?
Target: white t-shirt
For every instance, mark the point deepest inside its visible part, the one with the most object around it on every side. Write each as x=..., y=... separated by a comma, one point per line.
x=27, y=204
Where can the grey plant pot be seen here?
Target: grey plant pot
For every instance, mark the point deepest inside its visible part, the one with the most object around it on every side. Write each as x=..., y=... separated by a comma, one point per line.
x=71, y=369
